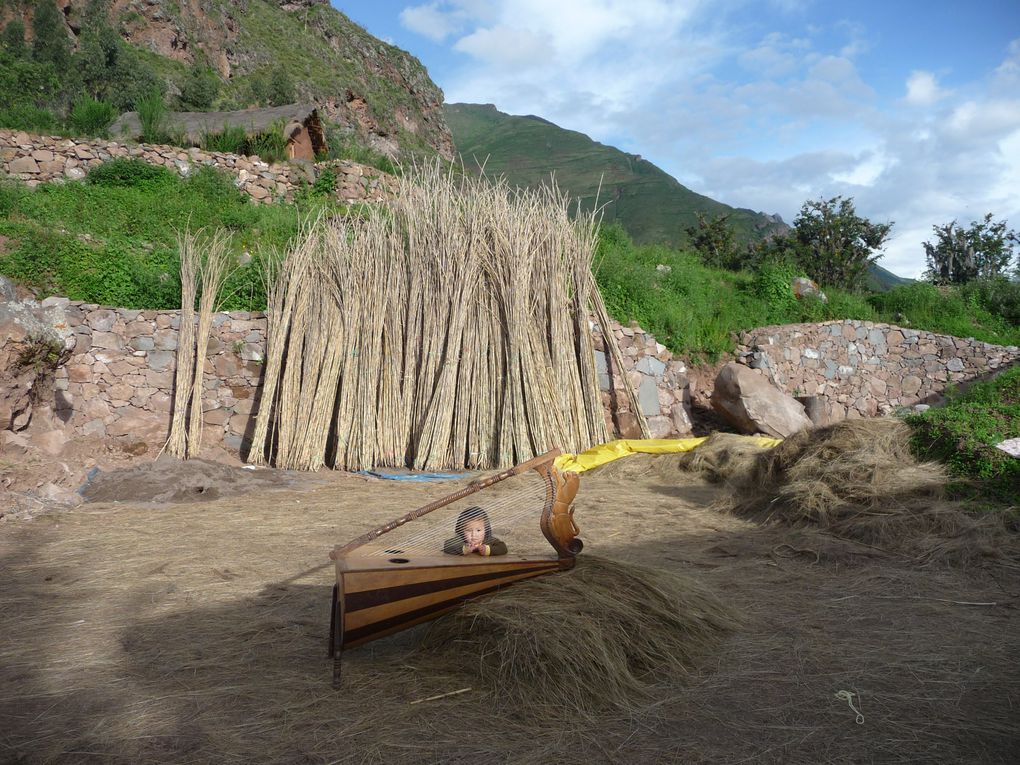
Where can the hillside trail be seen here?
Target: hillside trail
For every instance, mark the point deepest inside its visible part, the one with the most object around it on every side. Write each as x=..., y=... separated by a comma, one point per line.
x=195, y=632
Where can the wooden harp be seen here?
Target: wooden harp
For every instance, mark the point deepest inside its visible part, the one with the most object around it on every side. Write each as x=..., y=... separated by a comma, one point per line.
x=385, y=586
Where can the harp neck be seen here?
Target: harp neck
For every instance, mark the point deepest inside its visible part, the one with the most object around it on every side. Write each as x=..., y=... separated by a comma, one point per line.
x=541, y=463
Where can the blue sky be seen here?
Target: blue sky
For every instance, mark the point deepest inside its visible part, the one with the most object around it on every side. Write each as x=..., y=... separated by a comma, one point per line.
x=911, y=108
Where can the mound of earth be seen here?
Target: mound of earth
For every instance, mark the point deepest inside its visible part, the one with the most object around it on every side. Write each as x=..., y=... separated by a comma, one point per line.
x=170, y=480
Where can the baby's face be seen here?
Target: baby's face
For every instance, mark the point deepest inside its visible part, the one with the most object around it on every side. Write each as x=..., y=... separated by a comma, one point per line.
x=474, y=532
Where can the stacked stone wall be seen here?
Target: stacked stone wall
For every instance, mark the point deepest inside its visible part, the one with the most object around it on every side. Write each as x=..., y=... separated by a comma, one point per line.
x=659, y=382
x=862, y=369
x=119, y=378
x=35, y=159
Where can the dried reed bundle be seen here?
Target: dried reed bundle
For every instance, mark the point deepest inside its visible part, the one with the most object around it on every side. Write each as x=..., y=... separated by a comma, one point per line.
x=213, y=269
x=177, y=442
x=461, y=335
x=599, y=637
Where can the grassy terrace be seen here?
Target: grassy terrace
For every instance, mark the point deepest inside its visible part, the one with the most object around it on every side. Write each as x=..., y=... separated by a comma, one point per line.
x=112, y=240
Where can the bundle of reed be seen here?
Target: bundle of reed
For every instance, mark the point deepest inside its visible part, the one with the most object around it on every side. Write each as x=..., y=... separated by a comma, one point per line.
x=449, y=330
x=209, y=272
x=177, y=442
x=213, y=269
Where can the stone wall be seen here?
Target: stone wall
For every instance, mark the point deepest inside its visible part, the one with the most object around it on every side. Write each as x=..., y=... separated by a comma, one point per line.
x=35, y=159
x=658, y=380
x=119, y=378
x=861, y=369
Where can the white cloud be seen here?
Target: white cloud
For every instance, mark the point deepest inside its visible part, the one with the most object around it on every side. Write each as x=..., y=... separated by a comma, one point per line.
x=430, y=21
x=923, y=89
x=751, y=117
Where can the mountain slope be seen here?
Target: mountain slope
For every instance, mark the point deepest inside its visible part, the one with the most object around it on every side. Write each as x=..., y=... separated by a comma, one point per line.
x=368, y=87
x=650, y=204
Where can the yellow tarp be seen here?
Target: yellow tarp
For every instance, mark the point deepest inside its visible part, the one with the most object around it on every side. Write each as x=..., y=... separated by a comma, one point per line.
x=603, y=453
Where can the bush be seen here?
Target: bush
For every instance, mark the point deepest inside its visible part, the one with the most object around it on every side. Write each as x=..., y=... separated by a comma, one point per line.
x=28, y=117
x=963, y=434
x=230, y=140
x=270, y=145
x=91, y=117
x=127, y=173
x=152, y=116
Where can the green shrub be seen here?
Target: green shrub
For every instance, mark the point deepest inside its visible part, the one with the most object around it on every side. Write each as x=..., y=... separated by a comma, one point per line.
x=232, y=139
x=270, y=145
x=126, y=173
x=962, y=434
x=152, y=114
x=325, y=184
x=773, y=282
x=91, y=117
x=28, y=117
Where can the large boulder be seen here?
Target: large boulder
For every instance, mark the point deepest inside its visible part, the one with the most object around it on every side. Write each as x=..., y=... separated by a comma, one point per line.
x=751, y=404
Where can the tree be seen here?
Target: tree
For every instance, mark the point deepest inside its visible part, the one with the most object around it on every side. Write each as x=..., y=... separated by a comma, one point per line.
x=14, y=39
x=200, y=89
x=281, y=88
x=715, y=241
x=834, y=245
x=959, y=255
x=49, y=42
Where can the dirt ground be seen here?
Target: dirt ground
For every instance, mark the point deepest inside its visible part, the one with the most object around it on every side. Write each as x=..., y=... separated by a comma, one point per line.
x=195, y=632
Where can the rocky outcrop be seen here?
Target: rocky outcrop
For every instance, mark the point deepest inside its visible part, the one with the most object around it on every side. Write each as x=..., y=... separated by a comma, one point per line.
x=749, y=402
x=368, y=87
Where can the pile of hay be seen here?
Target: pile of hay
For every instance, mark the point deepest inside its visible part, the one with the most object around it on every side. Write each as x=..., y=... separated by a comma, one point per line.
x=724, y=457
x=858, y=479
x=598, y=637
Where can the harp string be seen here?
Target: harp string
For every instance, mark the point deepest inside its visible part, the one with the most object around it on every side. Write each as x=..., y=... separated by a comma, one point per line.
x=436, y=534
x=524, y=503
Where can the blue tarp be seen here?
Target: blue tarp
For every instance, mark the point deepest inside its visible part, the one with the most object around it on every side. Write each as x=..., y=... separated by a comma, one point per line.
x=398, y=476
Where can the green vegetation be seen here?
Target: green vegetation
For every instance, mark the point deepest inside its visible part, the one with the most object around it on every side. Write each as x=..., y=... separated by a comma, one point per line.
x=963, y=434
x=981, y=251
x=988, y=310
x=113, y=239
x=692, y=308
x=91, y=117
x=830, y=243
x=342, y=145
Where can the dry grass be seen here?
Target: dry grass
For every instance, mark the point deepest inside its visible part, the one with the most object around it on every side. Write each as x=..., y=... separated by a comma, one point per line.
x=197, y=634
x=859, y=480
x=600, y=637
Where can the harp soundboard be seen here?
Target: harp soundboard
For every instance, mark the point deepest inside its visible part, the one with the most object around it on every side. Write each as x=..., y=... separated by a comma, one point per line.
x=398, y=574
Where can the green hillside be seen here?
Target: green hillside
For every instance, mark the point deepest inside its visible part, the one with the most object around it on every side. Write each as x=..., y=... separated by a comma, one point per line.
x=882, y=280
x=651, y=205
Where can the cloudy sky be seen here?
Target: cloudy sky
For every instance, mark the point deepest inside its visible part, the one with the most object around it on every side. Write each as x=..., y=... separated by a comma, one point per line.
x=910, y=107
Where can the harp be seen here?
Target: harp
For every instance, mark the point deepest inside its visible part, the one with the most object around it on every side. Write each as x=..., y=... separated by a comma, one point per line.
x=398, y=574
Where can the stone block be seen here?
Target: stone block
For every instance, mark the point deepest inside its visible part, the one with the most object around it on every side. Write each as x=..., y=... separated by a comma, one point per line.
x=651, y=366
x=648, y=397
x=955, y=365
x=142, y=343
x=101, y=320
x=23, y=166
x=160, y=361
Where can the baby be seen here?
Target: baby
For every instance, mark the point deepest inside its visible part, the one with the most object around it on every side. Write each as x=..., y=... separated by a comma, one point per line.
x=474, y=535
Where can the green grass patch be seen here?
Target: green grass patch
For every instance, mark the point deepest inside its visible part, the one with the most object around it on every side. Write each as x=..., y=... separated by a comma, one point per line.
x=113, y=239
x=963, y=433
x=693, y=309
x=987, y=311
